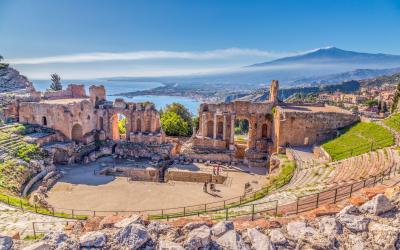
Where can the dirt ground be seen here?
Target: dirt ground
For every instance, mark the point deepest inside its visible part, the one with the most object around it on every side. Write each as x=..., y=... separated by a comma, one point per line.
x=80, y=189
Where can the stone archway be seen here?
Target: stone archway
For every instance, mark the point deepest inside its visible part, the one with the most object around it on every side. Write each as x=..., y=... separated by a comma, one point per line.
x=77, y=133
x=264, y=131
x=119, y=127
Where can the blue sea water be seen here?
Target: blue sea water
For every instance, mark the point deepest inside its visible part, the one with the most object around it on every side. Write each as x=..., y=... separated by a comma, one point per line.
x=116, y=87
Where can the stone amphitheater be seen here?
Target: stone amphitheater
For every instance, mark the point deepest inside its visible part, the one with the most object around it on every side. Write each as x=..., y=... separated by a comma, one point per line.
x=145, y=176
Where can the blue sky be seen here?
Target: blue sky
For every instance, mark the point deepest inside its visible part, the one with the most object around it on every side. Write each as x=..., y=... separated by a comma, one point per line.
x=183, y=37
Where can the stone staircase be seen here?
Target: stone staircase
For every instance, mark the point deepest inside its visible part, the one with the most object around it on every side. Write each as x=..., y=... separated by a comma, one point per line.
x=314, y=178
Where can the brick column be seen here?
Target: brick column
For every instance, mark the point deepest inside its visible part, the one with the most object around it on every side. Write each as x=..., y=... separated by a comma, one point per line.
x=203, y=126
x=224, y=129
x=232, y=137
x=215, y=127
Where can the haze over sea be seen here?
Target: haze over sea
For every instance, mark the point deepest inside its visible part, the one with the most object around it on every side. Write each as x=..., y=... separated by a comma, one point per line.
x=116, y=87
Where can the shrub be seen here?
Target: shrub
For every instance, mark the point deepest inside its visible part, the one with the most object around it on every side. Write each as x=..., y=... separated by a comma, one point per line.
x=28, y=152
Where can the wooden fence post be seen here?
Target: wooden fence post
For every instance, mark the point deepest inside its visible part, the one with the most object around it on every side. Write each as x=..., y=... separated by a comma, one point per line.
x=34, y=230
x=317, y=200
x=226, y=214
x=252, y=212
x=297, y=205
x=351, y=189
x=334, y=200
x=276, y=208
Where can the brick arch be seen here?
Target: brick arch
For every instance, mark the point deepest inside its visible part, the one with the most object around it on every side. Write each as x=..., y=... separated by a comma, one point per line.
x=77, y=132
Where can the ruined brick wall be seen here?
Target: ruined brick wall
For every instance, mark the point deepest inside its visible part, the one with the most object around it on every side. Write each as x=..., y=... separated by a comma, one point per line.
x=308, y=128
x=65, y=118
x=97, y=93
x=72, y=91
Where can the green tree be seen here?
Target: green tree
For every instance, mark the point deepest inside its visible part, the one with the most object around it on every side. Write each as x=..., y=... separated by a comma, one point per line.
x=55, y=82
x=122, y=126
x=174, y=125
x=182, y=112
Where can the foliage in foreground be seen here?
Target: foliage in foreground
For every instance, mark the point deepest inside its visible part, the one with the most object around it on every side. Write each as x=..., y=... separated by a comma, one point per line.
x=185, y=123
x=174, y=125
x=13, y=175
x=358, y=139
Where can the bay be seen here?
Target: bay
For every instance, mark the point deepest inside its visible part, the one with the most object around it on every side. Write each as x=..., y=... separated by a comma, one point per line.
x=116, y=87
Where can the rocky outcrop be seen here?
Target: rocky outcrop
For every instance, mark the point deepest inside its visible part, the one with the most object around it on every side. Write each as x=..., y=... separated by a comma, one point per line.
x=11, y=80
x=373, y=225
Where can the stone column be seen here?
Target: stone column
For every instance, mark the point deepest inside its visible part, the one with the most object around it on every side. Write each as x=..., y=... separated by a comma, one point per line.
x=224, y=129
x=232, y=136
x=252, y=132
x=203, y=126
x=215, y=127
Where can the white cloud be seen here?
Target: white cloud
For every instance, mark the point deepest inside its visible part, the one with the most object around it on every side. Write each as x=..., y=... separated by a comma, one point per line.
x=146, y=55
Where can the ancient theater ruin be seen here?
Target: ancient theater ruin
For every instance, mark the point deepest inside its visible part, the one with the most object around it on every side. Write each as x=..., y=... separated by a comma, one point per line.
x=84, y=120
x=84, y=143
x=272, y=127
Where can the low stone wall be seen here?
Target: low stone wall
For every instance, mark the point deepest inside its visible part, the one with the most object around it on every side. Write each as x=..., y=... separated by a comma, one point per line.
x=134, y=174
x=208, y=142
x=176, y=175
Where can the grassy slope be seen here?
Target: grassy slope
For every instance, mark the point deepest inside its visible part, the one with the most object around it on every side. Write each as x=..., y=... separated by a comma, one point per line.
x=360, y=138
x=393, y=121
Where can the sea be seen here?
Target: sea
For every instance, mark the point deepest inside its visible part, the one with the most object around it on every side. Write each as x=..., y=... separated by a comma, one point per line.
x=117, y=87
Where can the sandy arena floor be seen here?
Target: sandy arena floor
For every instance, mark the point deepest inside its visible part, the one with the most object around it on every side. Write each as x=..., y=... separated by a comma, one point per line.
x=81, y=189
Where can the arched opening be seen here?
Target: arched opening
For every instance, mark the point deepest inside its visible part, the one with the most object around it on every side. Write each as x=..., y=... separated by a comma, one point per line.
x=76, y=133
x=210, y=129
x=139, y=125
x=220, y=130
x=101, y=123
x=148, y=124
x=44, y=121
x=264, y=131
x=119, y=131
x=241, y=137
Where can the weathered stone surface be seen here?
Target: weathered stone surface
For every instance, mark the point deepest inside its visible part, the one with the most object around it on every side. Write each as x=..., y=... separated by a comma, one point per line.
x=357, y=200
x=383, y=236
x=109, y=221
x=192, y=225
x=371, y=192
x=299, y=229
x=158, y=227
x=221, y=227
x=133, y=235
x=355, y=223
x=329, y=226
x=41, y=245
x=355, y=242
x=277, y=237
x=198, y=238
x=56, y=238
x=231, y=240
x=5, y=242
x=133, y=219
x=93, y=239
x=393, y=194
x=378, y=205
x=169, y=245
x=351, y=209
x=259, y=241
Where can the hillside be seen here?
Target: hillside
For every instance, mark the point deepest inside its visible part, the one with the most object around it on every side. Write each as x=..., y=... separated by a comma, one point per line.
x=357, y=74
x=12, y=80
x=358, y=139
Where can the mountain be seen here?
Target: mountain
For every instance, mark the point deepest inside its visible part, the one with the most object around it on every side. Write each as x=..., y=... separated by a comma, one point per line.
x=333, y=55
